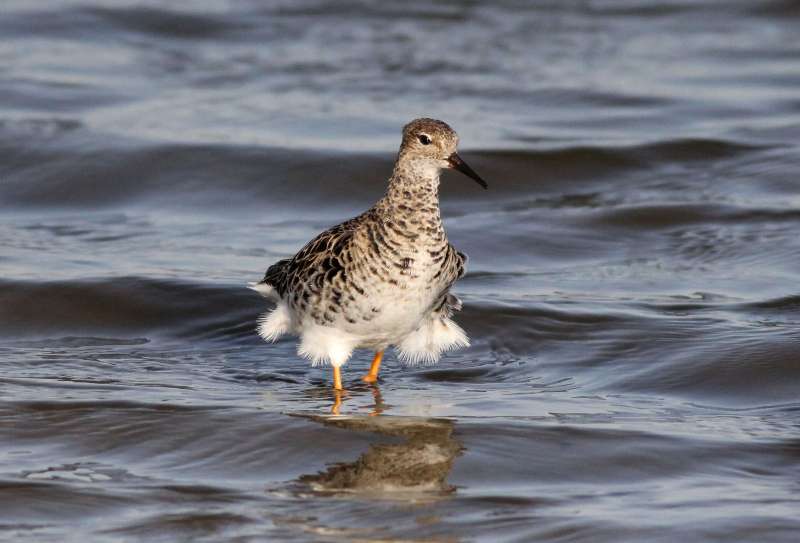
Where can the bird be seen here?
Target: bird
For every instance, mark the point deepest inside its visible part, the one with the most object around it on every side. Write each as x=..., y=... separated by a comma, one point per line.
x=381, y=279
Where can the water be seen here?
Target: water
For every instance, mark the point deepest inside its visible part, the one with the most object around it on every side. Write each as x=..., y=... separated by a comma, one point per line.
x=632, y=295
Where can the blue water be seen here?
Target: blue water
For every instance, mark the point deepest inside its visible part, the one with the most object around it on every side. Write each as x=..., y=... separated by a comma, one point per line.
x=632, y=295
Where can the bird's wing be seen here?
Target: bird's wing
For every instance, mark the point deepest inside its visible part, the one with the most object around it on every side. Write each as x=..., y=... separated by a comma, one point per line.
x=453, y=268
x=317, y=263
x=275, y=275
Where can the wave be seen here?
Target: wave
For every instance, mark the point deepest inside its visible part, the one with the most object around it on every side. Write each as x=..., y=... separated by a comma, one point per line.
x=682, y=213
x=88, y=312
x=183, y=175
x=775, y=8
x=168, y=23
x=598, y=162
x=63, y=170
x=784, y=304
x=108, y=21
x=718, y=349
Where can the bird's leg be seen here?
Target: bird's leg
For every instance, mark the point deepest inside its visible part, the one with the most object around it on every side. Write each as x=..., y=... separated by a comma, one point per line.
x=374, y=368
x=337, y=390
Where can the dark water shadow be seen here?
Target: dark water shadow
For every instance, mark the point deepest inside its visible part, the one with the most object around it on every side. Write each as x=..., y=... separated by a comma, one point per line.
x=419, y=462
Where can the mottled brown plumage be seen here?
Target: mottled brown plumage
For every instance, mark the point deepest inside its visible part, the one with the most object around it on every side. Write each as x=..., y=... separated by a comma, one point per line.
x=382, y=278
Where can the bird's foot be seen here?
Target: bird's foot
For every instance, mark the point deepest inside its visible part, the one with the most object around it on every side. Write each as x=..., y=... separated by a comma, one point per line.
x=375, y=367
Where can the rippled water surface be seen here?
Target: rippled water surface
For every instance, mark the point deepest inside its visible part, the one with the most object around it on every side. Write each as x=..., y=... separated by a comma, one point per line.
x=633, y=296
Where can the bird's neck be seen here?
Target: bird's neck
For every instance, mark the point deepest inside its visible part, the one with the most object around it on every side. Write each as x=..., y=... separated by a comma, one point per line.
x=413, y=188
x=411, y=203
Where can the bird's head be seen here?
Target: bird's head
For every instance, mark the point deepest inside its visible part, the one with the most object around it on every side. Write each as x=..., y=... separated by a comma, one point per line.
x=430, y=146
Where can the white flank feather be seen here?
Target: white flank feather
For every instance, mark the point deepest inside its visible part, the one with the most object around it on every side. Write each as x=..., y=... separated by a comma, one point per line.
x=325, y=345
x=273, y=324
x=265, y=290
x=434, y=336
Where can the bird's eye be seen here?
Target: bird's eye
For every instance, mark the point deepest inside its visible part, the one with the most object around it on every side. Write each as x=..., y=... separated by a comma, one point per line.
x=424, y=139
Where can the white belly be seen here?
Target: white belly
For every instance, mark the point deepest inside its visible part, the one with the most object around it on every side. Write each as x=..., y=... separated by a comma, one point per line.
x=399, y=312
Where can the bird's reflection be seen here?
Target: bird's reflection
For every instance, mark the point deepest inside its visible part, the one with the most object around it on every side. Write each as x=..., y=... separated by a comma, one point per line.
x=339, y=397
x=419, y=464
x=410, y=470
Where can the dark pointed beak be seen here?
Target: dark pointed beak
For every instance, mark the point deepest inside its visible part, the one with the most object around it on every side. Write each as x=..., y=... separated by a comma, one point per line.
x=457, y=164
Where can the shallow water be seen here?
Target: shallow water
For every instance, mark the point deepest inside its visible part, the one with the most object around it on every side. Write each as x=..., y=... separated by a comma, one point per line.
x=632, y=295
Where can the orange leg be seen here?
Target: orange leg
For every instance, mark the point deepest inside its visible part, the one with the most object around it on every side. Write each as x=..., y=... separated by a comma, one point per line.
x=372, y=376
x=337, y=378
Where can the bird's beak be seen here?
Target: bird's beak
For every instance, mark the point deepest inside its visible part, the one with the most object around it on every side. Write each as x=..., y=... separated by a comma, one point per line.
x=457, y=164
